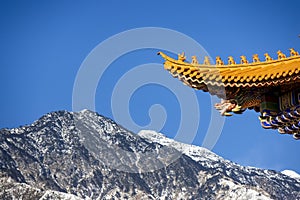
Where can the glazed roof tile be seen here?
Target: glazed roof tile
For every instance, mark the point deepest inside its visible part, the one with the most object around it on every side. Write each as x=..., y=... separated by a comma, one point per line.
x=256, y=74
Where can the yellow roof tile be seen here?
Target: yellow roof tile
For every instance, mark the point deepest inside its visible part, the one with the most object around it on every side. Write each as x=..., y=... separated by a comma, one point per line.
x=236, y=75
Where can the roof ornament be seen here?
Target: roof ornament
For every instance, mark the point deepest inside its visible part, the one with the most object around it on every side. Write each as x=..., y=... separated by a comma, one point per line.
x=231, y=61
x=227, y=106
x=181, y=57
x=268, y=57
x=244, y=60
x=206, y=60
x=293, y=52
x=255, y=58
x=219, y=61
x=194, y=60
x=280, y=55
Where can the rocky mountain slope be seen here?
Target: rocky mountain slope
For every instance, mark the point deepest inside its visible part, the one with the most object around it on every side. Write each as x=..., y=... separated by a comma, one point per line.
x=68, y=155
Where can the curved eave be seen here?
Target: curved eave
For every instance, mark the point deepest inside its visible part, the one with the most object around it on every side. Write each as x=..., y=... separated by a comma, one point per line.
x=239, y=75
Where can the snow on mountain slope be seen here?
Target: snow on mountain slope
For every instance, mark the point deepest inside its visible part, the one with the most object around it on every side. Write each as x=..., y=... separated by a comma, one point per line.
x=73, y=155
x=291, y=174
x=195, y=152
x=13, y=190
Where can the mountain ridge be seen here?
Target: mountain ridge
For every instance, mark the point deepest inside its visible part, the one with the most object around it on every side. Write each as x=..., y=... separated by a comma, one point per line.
x=77, y=155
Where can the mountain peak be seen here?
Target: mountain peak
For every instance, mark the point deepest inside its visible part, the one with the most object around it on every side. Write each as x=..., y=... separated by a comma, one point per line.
x=86, y=111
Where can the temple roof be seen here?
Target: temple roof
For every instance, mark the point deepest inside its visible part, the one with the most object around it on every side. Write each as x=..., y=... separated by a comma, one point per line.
x=271, y=87
x=283, y=70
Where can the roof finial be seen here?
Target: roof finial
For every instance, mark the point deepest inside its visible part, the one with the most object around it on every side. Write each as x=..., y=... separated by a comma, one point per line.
x=244, y=60
x=181, y=57
x=206, y=60
x=268, y=57
x=231, y=61
x=219, y=61
x=293, y=52
x=255, y=58
x=194, y=60
x=280, y=55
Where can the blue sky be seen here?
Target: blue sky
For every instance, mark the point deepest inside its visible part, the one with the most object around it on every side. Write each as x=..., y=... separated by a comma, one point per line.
x=43, y=44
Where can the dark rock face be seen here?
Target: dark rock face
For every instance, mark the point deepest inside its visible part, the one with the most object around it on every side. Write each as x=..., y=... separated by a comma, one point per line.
x=84, y=155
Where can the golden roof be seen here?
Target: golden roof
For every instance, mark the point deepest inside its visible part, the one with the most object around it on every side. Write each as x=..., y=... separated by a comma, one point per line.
x=256, y=74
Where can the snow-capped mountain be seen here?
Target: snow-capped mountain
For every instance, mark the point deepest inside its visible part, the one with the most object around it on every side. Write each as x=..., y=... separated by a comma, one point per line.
x=82, y=155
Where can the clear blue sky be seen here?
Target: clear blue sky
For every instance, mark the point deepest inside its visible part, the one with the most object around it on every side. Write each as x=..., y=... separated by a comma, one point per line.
x=43, y=44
